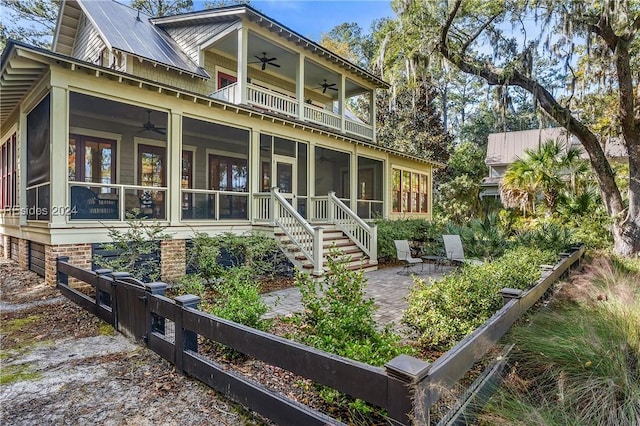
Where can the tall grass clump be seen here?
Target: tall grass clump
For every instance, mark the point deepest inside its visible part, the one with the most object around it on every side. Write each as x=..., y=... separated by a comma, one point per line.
x=578, y=363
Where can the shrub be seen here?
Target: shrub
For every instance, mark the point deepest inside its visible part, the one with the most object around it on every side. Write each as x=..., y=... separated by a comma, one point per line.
x=428, y=233
x=210, y=255
x=136, y=247
x=338, y=317
x=238, y=298
x=548, y=236
x=442, y=312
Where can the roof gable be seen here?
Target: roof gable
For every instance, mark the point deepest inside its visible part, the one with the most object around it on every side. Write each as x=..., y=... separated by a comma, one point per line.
x=191, y=37
x=124, y=29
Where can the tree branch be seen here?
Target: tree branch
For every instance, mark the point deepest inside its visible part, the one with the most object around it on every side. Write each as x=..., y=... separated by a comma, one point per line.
x=477, y=34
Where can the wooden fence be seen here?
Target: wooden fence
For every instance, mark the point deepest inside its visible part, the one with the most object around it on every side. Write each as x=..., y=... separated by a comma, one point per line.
x=406, y=387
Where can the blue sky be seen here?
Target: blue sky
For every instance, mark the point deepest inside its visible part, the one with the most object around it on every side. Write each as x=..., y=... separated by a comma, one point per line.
x=311, y=18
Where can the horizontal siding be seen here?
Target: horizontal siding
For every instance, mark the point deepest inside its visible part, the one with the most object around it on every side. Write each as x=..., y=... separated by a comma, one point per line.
x=88, y=44
x=189, y=37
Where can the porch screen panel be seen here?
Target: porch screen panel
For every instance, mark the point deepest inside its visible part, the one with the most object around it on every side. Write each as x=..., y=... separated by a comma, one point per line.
x=370, y=182
x=38, y=155
x=333, y=172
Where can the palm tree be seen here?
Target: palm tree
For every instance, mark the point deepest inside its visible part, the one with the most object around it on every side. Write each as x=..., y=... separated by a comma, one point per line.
x=543, y=172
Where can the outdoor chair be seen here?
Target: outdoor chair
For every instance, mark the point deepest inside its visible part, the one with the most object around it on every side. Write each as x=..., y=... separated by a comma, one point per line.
x=455, y=252
x=403, y=252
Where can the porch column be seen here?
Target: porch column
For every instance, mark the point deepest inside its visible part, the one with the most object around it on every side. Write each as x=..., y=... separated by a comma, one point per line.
x=58, y=187
x=341, y=100
x=255, y=171
x=22, y=172
x=241, y=72
x=174, y=150
x=300, y=85
x=372, y=114
x=311, y=177
x=353, y=182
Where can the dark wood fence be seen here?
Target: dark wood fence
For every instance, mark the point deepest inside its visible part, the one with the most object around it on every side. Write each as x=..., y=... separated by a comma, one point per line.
x=406, y=387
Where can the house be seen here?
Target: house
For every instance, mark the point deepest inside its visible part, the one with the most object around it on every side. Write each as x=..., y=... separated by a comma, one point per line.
x=505, y=148
x=212, y=121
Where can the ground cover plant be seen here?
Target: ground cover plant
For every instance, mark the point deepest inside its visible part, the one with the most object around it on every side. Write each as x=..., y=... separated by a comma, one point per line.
x=578, y=361
x=442, y=312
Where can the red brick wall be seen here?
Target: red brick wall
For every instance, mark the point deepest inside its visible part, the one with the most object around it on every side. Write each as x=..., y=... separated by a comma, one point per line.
x=172, y=259
x=79, y=255
x=23, y=254
x=5, y=240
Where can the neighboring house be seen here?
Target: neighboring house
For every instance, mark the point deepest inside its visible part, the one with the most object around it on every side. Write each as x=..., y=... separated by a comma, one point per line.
x=214, y=121
x=505, y=148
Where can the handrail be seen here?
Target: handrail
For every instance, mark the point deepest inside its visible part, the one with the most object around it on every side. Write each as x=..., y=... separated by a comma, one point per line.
x=272, y=100
x=363, y=235
x=300, y=232
x=227, y=93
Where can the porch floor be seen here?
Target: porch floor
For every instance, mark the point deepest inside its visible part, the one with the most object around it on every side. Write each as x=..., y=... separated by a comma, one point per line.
x=388, y=287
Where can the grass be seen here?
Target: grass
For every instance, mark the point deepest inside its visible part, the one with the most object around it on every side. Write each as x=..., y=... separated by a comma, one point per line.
x=17, y=373
x=578, y=362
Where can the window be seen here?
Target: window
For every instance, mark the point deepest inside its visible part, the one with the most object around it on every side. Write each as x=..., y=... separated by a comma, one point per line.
x=228, y=173
x=8, y=173
x=225, y=80
x=91, y=159
x=410, y=192
x=151, y=165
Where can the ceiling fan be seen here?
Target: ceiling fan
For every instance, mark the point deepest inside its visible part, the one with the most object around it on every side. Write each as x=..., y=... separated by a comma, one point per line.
x=326, y=86
x=264, y=61
x=152, y=127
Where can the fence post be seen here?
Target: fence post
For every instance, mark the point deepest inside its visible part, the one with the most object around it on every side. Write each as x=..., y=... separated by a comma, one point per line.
x=510, y=293
x=114, y=300
x=62, y=278
x=185, y=339
x=404, y=374
x=102, y=297
x=155, y=323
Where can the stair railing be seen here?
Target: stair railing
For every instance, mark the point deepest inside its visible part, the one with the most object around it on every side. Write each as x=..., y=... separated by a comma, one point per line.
x=305, y=237
x=362, y=234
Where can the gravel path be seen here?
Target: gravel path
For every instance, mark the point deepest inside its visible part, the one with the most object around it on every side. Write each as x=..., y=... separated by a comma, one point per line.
x=61, y=365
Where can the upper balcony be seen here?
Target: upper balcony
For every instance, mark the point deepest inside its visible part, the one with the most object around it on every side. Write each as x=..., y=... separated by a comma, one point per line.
x=255, y=61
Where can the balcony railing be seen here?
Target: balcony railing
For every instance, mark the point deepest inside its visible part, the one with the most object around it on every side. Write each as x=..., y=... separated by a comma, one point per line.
x=202, y=204
x=97, y=201
x=270, y=100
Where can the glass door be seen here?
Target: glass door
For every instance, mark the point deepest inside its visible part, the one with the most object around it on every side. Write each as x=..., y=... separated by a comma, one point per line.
x=285, y=175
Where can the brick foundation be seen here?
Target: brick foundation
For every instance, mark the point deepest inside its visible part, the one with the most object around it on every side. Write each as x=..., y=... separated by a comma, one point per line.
x=79, y=255
x=5, y=240
x=23, y=254
x=172, y=259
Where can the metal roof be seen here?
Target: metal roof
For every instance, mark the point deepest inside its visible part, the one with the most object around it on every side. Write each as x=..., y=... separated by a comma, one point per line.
x=131, y=31
x=507, y=147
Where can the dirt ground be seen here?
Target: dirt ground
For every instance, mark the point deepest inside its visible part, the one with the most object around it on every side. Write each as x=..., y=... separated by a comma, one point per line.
x=61, y=365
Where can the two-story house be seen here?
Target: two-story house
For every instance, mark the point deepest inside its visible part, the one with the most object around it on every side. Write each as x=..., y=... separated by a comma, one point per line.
x=212, y=121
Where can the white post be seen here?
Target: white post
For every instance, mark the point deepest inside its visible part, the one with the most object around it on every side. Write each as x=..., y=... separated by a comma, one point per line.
x=274, y=208
x=300, y=85
x=341, y=100
x=373, y=112
x=330, y=208
x=173, y=197
x=373, y=244
x=58, y=176
x=241, y=71
x=318, y=257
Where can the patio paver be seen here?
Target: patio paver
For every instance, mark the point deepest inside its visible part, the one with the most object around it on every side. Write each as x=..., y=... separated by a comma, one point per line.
x=388, y=288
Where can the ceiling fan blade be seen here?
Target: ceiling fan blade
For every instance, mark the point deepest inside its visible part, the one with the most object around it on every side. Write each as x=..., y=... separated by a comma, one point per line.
x=275, y=65
x=264, y=65
x=271, y=59
x=333, y=88
x=324, y=90
x=258, y=58
x=162, y=132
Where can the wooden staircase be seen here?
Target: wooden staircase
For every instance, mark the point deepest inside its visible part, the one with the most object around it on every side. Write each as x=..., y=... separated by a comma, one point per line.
x=332, y=237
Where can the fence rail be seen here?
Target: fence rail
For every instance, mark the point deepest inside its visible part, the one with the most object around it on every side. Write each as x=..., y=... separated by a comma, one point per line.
x=406, y=387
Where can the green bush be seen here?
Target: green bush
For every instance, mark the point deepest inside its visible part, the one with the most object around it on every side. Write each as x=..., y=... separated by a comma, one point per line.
x=443, y=312
x=338, y=317
x=238, y=298
x=547, y=236
x=423, y=231
x=255, y=250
